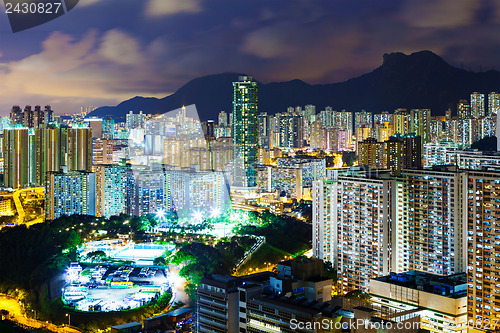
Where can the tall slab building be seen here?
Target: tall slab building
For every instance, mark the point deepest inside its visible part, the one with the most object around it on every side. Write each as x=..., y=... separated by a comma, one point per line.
x=79, y=149
x=482, y=215
x=17, y=151
x=432, y=232
x=245, y=131
x=69, y=193
x=353, y=219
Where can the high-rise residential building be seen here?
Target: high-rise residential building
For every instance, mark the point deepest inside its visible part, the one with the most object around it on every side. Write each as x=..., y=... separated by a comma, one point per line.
x=498, y=131
x=28, y=116
x=69, y=193
x=324, y=238
x=108, y=128
x=284, y=179
x=222, y=132
x=198, y=191
x=135, y=120
x=185, y=151
x=310, y=110
x=79, y=149
x=96, y=126
x=383, y=126
x=5, y=123
x=420, y=124
x=383, y=132
x=16, y=115
x=48, y=114
x=382, y=118
x=114, y=190
x=50, y=151
x=102, y=151
x=327, y=117
x=493, y=103
x=402, y=122
x=476, y=160
x=318, y=135
x=363, y=133
x=477, y=107
x=312, y=169
x=404, y=152
x=343, y=120
x=441, y=153
x=150, y=193
x=38, y=116
x=222, y=119
x=433, y=235
x=481, y=213
x=467, y=131
x=486, y=126
x=290, y=130
x=352, y=221
x=183, y=191
x=209, y=130
x=31, y=118
x=245, y=131
x=436, y=131
x=363, y=125
x=263, y=130
x=463, y=109
x=345, y=140
x=363, y=119
x=19, y=151
x=372, y=154
x=332, y=139
x=30, y=153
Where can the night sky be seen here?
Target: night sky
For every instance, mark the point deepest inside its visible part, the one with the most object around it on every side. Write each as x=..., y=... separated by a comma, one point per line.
x=105, y=51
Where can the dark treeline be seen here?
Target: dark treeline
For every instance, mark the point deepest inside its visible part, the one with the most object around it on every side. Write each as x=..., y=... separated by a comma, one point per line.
x=283, y=232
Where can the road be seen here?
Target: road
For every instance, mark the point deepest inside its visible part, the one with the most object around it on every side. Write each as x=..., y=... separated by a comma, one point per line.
x=19, y=207
x=17, y=315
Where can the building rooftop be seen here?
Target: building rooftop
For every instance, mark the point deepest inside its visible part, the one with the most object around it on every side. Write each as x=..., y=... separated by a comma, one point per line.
x=178, y=312
x=222, y=281
x=127, y=325
x=297, y=305
x=454, y=286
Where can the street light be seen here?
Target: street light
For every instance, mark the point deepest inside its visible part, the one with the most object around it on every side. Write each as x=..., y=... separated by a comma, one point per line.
x=69, y=319
x=34, y=312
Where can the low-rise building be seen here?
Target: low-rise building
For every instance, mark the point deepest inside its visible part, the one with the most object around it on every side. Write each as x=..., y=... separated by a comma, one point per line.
x=440, y=301
x=133, y=327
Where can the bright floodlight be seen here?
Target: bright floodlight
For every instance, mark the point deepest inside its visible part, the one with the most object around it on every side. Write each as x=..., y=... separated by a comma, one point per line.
x=160, y=214
x=198, y=216
x=215, y=212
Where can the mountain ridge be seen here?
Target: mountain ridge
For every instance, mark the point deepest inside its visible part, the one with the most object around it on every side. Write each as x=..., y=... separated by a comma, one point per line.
x=418, y=80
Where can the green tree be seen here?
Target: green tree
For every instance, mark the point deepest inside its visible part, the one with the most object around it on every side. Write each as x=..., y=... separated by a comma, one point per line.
x=96, y=256
x=160, y=261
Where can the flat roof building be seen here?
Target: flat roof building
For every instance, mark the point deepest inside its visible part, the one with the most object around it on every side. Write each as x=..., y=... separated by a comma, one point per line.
x=440, y=301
